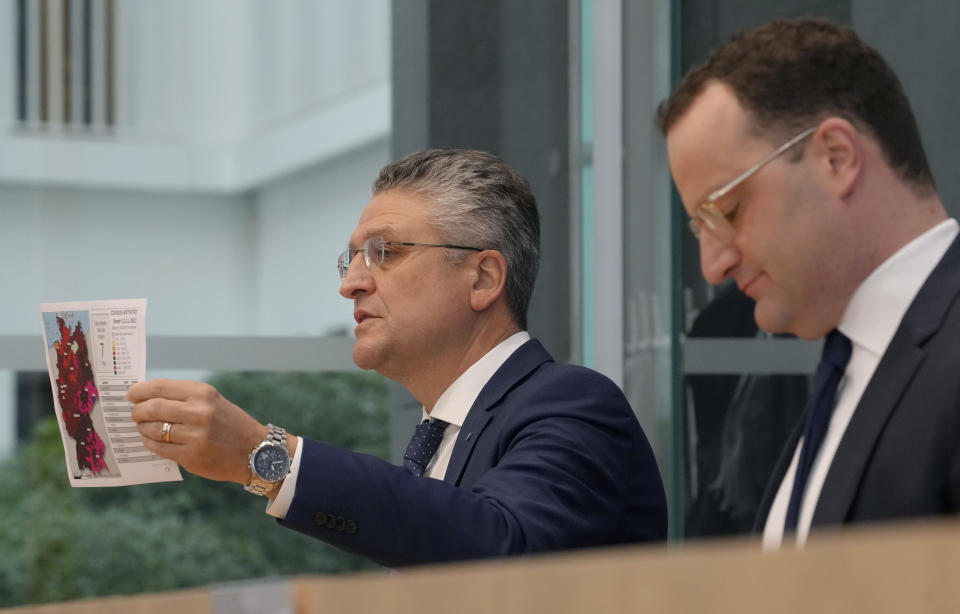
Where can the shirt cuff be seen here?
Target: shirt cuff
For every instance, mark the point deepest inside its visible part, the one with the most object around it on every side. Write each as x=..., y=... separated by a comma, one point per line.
x=279, y=506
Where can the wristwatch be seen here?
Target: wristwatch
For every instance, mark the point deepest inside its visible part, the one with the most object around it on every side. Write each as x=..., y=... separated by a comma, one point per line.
x=269, y=462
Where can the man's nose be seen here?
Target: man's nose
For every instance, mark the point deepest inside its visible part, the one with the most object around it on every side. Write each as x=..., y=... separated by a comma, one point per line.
x=358, y=278
x=717, y=260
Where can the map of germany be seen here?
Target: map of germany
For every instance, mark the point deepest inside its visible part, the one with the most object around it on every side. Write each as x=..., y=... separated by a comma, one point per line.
x=78, y=395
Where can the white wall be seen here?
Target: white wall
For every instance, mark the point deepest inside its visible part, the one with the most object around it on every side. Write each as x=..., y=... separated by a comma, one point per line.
x=189, y=253
x=217, y=71
x=309, y=53
x=304, y=222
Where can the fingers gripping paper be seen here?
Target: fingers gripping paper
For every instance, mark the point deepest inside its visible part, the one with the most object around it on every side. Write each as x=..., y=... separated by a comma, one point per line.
x=95, y=352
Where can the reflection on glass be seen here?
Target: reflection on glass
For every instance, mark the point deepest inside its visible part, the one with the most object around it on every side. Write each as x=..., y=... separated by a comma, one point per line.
x=740, y=424
x=63, y=543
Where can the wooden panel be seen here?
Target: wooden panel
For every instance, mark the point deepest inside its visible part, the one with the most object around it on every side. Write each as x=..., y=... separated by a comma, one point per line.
x=909, y=568
x=875, y=571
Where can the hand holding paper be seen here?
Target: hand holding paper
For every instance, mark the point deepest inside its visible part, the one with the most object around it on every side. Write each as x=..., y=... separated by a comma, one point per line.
x=208, y=436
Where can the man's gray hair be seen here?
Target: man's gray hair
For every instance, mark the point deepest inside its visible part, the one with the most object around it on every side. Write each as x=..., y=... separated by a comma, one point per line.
x=479, y=202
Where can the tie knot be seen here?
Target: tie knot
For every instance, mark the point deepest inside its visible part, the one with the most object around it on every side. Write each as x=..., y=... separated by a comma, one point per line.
x=836, y=350
x=433, y=425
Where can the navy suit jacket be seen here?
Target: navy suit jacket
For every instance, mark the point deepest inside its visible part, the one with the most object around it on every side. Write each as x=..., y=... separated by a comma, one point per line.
x=549, y=457
x=900, y=454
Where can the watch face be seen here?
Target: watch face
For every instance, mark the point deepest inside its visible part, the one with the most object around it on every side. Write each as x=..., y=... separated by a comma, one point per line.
x=271, y=462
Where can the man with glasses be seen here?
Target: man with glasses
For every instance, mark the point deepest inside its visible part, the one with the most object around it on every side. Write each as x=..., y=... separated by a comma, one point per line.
x=516, y=454
x=799, y=162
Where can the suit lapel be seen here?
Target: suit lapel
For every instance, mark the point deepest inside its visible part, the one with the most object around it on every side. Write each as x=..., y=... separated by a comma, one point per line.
x=525, y=359
x=891, y=379
x=896, y=370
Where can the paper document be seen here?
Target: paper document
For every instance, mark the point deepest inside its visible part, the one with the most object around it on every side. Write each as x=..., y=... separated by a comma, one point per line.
x=96, y=351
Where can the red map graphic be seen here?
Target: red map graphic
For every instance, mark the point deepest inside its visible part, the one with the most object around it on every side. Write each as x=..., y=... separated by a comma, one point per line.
x=78, y=395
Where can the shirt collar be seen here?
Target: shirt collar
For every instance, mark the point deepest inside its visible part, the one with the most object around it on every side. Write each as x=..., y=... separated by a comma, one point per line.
x=458, y=398
x=879, y=304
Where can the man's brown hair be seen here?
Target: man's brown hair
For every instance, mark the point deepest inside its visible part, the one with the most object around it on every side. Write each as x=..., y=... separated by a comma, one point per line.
x=790, y=75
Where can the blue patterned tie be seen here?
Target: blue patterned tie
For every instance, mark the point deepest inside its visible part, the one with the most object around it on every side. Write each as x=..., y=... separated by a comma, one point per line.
x=833, y=362
x=423, y=445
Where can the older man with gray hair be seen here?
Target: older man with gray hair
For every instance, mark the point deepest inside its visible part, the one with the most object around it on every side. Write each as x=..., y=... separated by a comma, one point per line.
x=516, y=454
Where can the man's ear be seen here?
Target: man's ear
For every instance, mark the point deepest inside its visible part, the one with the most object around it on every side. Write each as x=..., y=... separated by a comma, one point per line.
x=842, y=150
x=489, y=280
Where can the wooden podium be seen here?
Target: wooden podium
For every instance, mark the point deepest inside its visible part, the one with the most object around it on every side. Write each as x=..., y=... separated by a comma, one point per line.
x=908, y=568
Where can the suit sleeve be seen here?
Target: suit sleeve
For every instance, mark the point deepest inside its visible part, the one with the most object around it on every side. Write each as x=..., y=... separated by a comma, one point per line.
x=563, y=464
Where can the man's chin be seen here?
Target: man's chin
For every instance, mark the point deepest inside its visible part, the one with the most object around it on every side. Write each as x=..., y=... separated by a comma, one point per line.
x=365, y=357
x=769, y=318
x=777, y=321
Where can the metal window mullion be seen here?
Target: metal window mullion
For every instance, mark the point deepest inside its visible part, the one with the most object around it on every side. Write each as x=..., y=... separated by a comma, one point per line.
x=77, y=60
x=98, y=63
x=54, y=61
x=44, y=114
x=87, y=54
x=34, y=71
x=734, y=356
x=25, y=353
x=22, y=60
x=607, y=291
x=109, y=86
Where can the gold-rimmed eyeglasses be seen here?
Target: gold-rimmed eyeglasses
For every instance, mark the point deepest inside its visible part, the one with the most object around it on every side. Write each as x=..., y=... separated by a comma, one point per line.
x=708, y=216
x=376, y=250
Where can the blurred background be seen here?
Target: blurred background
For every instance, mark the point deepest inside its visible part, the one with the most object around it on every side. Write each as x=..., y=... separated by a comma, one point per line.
x=213, y=157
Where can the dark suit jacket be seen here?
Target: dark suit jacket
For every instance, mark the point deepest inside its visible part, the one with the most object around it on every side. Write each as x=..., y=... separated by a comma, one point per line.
x=549, y=457
x=900, y=454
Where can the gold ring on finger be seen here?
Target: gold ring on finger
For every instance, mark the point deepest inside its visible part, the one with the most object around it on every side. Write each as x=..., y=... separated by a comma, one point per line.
x=165, y=431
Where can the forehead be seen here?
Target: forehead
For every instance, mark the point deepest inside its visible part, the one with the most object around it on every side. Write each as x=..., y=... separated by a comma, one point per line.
x=713, y=142
x=395, y=214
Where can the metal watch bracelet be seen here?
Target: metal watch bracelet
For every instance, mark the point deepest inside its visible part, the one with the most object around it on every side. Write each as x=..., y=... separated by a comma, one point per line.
x=276, y=435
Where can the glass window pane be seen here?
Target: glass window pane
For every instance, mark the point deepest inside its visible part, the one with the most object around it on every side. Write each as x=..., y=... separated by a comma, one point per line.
x=64, y=543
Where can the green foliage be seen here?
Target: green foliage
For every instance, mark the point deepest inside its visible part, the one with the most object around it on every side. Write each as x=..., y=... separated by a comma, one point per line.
x=61, y=543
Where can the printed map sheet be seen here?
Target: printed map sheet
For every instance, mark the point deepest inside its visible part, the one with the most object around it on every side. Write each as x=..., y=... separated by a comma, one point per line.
x=95, y=352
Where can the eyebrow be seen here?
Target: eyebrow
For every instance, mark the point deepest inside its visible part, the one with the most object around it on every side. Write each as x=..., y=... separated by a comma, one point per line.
x=386, y=231
x=706, y=196
x=701, y=198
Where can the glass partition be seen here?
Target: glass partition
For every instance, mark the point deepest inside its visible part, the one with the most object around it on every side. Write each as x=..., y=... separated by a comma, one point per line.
x=213, y=158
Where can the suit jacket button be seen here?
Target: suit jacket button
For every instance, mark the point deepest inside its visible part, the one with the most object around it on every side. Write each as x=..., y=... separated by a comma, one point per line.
x=351, y=527
x=320, y=519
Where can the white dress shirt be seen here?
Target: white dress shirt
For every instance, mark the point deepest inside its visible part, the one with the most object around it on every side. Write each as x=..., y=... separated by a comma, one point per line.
x=452, y=407
x=458, y=398
x=870, y=321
